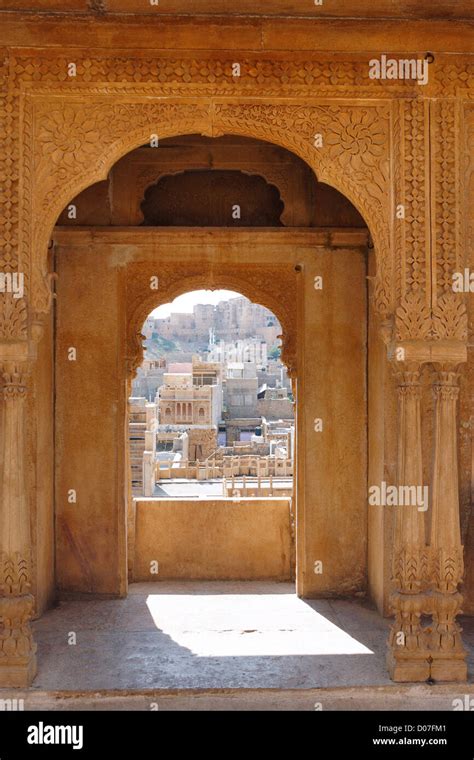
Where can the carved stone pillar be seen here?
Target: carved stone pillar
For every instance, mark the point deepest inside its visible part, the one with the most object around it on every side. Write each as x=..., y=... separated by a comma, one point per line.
x=17, y=649
x=447, y=651
x=408, y=655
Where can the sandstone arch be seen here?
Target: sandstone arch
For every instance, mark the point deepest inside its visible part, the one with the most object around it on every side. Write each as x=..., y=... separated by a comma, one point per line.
x=384, y=146
x=102, y=135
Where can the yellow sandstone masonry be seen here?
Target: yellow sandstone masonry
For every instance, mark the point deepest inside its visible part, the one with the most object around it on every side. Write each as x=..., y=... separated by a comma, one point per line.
x=379, y=350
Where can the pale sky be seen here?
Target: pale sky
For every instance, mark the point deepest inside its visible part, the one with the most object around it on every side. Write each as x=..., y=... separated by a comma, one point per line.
x=184, y=304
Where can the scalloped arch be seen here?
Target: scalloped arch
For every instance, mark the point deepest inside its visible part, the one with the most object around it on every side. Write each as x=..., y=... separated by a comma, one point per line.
x=269, y=179
x=209, y=280
x=290, y=127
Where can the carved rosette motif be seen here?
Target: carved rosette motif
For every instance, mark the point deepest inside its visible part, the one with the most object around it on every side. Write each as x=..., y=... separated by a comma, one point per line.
x=76, y=146
x=353, y=158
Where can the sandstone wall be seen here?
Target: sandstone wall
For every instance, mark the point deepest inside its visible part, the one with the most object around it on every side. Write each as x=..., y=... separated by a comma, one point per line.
x=209, y=539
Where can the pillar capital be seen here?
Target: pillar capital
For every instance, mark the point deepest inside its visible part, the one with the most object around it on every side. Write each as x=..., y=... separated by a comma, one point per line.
x=408, y=377
x=445, y=381
x=14, y=379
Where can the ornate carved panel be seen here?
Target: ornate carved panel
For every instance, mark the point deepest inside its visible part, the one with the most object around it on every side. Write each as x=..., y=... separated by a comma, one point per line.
x=445, y=190
x=353, y=157
x=76, y=145
x=12, y=312
x=274, y=74
x=467, y=187
x=72, y=129
x=412, y=194
x=447, y=320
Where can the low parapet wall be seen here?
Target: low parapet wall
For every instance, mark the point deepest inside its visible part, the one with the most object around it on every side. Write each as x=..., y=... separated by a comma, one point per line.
x=214, y=539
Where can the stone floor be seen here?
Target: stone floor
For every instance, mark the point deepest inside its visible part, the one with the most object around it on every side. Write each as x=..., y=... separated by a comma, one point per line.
x=221, y=639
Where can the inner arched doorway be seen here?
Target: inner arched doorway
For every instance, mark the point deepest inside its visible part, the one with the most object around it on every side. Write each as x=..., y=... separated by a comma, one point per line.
x=310, y=269
x=212, y=441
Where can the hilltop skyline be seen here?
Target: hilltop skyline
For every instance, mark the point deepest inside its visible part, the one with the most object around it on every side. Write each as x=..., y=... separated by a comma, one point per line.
x=185, y=303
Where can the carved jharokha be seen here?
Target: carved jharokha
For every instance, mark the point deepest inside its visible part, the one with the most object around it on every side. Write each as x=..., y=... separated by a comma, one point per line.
x=17, y=650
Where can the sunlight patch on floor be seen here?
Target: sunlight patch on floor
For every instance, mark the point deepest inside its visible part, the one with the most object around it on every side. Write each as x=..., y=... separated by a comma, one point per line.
x=241, y=625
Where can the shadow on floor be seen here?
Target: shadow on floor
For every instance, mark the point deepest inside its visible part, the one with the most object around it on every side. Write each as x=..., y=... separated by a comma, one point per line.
x=212, y=635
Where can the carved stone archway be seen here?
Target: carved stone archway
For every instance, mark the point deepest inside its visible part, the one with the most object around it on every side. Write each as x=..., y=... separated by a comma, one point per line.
x=380, y=147
x=76, y=147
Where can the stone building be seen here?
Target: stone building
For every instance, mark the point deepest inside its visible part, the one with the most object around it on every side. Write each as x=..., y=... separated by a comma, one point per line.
x=149, y=377
x=274, y=403
x=230, y=320
x=136, y=166
x=246, y=350
x=180, y=402
x=206, y=372
x=240, y=389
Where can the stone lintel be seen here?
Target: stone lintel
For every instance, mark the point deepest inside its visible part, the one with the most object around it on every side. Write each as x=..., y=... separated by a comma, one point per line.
x=148, y=236
x=428, y=351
